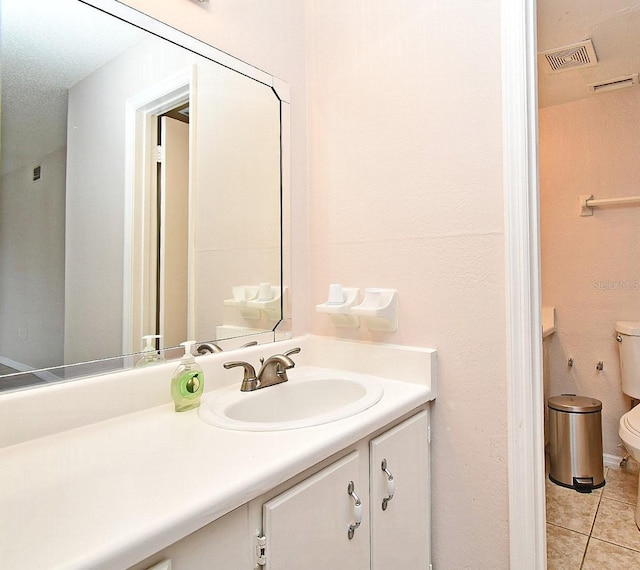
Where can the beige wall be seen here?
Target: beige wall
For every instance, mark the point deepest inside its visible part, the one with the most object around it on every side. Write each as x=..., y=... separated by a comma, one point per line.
x=401, y=133
x=406, y=192
x=590, y=265
x=32, y=263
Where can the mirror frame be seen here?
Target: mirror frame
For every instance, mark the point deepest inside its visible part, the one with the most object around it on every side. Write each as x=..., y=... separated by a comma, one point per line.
x=282, y=329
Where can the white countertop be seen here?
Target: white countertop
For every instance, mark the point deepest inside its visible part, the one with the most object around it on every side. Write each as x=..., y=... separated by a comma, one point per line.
x=109, y=494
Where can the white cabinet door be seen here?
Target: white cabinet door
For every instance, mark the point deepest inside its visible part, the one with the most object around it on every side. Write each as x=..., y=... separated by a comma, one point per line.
x=307, y=526
x=400, y=532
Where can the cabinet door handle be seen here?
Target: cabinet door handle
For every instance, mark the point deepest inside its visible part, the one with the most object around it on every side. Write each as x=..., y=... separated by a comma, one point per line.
x=357, y=510
x=391, y=485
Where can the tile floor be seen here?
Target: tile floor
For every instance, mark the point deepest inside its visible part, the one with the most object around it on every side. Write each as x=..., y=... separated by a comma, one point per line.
x=588, y=531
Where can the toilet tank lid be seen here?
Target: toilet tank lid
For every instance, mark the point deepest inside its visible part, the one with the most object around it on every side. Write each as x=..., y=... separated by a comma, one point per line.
x=628, y=327
x=573, y=403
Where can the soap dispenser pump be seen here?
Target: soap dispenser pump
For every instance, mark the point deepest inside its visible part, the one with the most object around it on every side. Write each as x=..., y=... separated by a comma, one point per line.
x=150, y=354
x=187, y=383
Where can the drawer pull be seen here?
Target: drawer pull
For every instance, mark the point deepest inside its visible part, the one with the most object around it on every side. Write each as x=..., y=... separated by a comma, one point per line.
x=391, y=485
x=357, y=510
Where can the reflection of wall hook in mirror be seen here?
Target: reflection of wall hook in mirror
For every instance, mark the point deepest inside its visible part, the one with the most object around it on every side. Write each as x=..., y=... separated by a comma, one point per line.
x=600, y=365
x=570, y=363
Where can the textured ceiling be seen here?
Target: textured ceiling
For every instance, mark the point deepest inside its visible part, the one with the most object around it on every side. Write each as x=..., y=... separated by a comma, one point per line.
x=46, y=48
x=614, y=28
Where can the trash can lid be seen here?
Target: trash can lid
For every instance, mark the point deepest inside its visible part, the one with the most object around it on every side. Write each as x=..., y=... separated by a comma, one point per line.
x=573, y=403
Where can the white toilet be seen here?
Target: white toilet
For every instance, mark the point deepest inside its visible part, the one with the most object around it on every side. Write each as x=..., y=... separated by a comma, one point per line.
x=628, y=336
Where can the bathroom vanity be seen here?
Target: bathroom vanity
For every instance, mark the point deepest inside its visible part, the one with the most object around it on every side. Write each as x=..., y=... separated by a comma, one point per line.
x=150, y=485
x=308, y=519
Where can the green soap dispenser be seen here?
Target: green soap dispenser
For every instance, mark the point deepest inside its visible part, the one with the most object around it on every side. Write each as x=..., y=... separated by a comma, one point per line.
x=149, y=353
x=187, y=383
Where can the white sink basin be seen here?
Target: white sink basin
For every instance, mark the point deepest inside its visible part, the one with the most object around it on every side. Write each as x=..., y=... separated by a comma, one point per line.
x=303, y=401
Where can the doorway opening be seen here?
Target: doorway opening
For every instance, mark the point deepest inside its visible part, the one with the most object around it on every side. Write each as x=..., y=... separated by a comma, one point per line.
x=172, y=223
x=158, y=282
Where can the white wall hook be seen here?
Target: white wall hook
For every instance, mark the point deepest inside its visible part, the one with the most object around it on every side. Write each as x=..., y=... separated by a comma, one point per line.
x=268, y=300
x=338, y=305
x=379, y=309
x=242, y=294
x=256, y=301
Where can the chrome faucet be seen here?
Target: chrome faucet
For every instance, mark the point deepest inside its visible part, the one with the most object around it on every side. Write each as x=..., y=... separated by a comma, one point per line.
x=208, y=348
x=212, y=347
x=273, y=371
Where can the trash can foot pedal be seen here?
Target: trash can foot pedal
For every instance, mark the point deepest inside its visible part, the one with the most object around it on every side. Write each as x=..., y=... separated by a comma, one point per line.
x=583, y=484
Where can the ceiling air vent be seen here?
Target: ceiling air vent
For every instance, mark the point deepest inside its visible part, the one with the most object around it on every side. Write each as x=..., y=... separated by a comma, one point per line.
x=611, y=84
x=566, y=58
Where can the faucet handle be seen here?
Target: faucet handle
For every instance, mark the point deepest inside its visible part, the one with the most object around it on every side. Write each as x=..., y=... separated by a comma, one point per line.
x=289, y=363
x=249, y=380
x=208, y=348
x=249, y=370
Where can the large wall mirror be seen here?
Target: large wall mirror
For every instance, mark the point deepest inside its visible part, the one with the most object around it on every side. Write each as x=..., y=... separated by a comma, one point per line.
x=141, y=193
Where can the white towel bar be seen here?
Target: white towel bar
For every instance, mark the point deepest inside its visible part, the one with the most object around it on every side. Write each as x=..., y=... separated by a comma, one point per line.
x=587, y=203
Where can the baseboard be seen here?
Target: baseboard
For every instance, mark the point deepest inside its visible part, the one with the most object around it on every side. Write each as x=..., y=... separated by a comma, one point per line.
x=44, y=375
x=614, y=461
x=13, y=364
x=611, y=460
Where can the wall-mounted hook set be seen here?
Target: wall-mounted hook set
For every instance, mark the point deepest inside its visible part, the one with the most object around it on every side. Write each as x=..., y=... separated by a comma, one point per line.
x=256, y=301
x=378, y=309
x=599, y=365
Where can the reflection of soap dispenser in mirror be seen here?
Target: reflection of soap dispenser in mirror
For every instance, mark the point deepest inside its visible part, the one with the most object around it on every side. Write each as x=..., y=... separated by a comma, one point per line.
x=150, y=355
x=187, y=383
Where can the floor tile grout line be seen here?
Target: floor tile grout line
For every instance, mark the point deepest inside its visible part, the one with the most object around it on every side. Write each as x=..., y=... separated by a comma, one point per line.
x=593, y=524
x=616, y=544
x=567, y=528
x=584, y=554
x=620, y=501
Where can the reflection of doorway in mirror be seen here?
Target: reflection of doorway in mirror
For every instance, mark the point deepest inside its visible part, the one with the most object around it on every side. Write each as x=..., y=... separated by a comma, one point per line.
x=158, y=259
x=173, y=201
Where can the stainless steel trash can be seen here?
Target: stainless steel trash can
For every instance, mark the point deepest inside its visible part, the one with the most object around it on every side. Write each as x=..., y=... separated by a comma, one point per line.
x=575, y=442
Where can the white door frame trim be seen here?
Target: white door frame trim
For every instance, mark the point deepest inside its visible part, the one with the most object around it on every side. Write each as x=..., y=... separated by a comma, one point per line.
x=522, y=281
x=140, y=136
